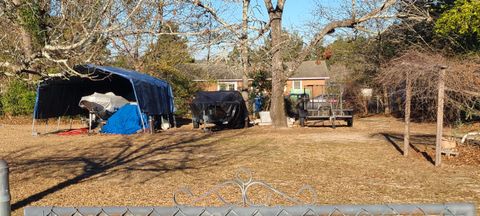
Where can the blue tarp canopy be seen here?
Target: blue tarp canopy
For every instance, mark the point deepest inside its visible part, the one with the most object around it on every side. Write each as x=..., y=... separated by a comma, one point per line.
x=60, y=96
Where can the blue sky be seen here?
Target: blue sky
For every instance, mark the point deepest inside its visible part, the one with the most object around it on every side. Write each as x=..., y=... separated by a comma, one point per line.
x=297, y=13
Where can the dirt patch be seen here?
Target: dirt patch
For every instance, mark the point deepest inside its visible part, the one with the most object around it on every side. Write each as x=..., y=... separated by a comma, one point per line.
x=345, y=165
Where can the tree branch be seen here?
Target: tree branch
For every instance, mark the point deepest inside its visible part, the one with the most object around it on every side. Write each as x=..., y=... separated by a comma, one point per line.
x=215, y=16
x=330, y=28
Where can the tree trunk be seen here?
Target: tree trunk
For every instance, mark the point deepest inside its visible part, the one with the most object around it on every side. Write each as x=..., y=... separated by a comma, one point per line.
x=386, y=105
x=161, y=16
x=244, y=51
x=408, y=102
x=27, y=44
x=209, y=39
x=277, y=110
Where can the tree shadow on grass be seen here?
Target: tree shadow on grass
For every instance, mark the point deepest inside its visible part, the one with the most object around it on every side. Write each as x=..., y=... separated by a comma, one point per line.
x=424, y=140
x=121, y=158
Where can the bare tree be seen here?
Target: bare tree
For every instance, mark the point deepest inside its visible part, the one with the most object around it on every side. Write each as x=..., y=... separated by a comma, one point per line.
x=461, y=82
x=277, y=108
x=55, y=35
x=61, y=35
x=240, y=34
x=415, y=75
x=355, y=20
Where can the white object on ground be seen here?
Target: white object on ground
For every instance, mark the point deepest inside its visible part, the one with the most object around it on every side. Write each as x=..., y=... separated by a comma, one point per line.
x=464, y=138
x=109, y=101
x=164, y=124
x=265, y=117
x=290, y=121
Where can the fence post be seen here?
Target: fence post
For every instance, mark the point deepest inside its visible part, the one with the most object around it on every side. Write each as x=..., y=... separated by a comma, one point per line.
x=441, y=99
x=408, y=105
x=4, y=189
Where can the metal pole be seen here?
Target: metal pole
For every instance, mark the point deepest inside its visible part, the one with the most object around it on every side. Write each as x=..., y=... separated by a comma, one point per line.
x=34, y=132
x=441, y=95
x=89, y=122
x=4, y=190
x=341, y=101
x=58, y=123
x=150, y=123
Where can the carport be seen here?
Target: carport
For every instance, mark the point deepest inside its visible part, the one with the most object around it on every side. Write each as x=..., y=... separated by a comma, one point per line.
x=59, y=96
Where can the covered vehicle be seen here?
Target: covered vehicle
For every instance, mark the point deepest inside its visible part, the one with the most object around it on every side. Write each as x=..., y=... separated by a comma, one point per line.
x=59, y=96
x=103, y=105
x=223, y=108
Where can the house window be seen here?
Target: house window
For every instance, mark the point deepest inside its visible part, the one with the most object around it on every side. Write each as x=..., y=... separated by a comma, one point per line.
x=296, y=84
x=227, y=86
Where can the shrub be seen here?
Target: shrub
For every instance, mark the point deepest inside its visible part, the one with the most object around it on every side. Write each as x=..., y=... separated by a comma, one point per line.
x=17, y=99
x=182, y=85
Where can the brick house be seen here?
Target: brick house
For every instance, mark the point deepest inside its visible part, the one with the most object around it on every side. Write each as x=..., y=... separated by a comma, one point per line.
x=216, y=77
x=311, y=77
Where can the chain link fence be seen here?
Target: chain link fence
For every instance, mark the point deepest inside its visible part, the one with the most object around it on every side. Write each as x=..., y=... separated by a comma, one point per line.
x=393, y=209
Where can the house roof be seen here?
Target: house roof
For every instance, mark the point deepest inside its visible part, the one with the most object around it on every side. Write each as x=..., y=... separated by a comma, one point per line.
x=311, y=69
x=220, y=71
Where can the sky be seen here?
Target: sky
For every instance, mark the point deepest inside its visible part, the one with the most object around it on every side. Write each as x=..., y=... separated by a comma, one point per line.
x=297, y=14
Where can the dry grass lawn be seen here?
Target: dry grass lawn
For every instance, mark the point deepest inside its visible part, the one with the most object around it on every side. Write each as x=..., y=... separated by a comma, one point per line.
x=344, y=165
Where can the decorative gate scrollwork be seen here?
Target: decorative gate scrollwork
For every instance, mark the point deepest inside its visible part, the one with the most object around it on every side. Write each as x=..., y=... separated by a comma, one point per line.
x=244, y=181
x=246, y=207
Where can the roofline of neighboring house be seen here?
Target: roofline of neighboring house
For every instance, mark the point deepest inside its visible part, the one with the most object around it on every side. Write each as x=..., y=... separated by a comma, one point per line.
x=218, y=80
x=291, y=78
x=308, y=78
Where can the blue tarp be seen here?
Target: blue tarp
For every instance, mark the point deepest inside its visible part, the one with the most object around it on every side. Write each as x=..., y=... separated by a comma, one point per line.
x=60, y=97
x=125, y=121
